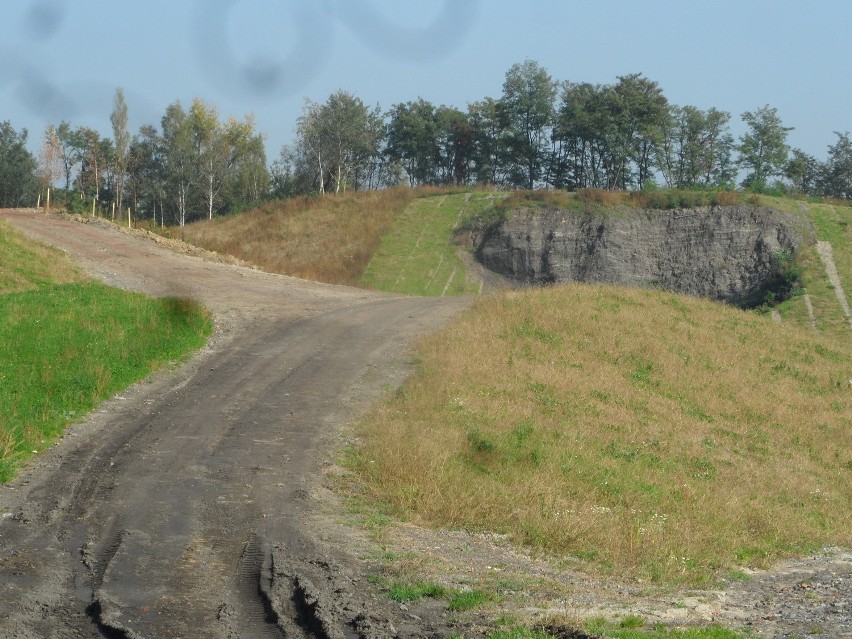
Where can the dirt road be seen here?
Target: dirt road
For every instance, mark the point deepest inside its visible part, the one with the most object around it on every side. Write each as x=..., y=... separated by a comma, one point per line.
x=183, y=508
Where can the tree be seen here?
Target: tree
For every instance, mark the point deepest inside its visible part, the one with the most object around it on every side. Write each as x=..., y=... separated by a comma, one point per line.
x=354, y=133
x=717, y=145
x=696, y=148
x=210, y=147
x=640, y=114
x=526, y=112
x=836, y=179
x=146, y=175
x=412, y=140
x=121, y=142
x=96, y=159
x=311, y=142
x=763, y=148
x=454, y=141
x=180, y=168
x=803, y=171
x=71, y=146
x=18, y=168
x=50, y=165
x=486, y=150
x=247, y=178
x=583, y=127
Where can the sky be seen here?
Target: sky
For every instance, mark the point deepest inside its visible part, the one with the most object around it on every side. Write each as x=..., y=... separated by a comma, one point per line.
x=64, y=59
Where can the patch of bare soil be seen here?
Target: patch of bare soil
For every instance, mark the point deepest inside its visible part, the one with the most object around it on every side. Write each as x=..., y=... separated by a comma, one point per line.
x=196, y=504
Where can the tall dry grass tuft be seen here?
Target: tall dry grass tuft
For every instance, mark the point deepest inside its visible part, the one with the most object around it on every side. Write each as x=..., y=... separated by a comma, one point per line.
x=329, y=238
x=646, y=434
x=601, y=197
x=541, y=198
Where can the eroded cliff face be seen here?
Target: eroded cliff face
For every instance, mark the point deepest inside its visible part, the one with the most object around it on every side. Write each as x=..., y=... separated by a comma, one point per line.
x=725, y=253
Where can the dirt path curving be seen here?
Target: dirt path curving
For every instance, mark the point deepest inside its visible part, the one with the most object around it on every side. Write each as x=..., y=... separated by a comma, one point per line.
x=183, y=507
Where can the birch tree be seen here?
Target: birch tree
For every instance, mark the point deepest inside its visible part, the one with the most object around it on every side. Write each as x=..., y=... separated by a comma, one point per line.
x=121, y=142
x=342, y=137
x=309, y=133
x=95, y=160
x=210, y=146
x=50, y=166
x=178, y=158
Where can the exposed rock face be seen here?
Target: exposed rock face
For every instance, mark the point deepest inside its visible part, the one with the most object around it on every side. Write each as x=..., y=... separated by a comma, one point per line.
x=726, y=253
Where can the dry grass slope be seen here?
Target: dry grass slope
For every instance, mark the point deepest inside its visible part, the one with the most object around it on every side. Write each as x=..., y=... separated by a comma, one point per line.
x=328, y=239
x=642, y=433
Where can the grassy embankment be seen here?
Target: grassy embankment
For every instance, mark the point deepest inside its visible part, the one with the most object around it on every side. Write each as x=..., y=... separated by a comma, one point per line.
x=67, y=343
x=328, y=239
x=642, y=433
x=635, y=433
x=418, y=256
x=397, y=240
x=832, y=223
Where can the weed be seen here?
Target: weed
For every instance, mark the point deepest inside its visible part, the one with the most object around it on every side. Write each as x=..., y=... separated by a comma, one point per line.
x=657, y=199
x=631, y=621
x=462, y=600
x=408, y=592
x=520, y=633
x=738, y=575
x=603, y=628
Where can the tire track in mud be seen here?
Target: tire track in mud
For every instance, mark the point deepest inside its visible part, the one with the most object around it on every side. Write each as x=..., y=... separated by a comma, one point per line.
x=259, y=619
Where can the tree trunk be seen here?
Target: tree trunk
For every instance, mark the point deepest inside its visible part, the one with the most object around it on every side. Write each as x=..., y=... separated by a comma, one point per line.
x=210, y=193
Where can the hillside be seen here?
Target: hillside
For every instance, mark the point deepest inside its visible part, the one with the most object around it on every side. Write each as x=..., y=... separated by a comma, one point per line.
x=643, y=433
x=328, y=239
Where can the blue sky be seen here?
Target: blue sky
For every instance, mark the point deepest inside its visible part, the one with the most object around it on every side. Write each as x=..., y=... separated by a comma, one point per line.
x=64, y=59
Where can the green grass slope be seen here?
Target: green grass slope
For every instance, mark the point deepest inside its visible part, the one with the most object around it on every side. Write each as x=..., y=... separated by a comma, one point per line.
x=66, y=344
x=417, y=256
x=833, y=224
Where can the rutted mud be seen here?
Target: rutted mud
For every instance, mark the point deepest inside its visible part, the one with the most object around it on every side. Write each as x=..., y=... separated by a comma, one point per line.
x=182, y=508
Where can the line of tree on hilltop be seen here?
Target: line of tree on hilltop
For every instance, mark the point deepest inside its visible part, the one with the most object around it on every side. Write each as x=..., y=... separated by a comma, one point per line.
x=540, y=133
x=544, y=133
